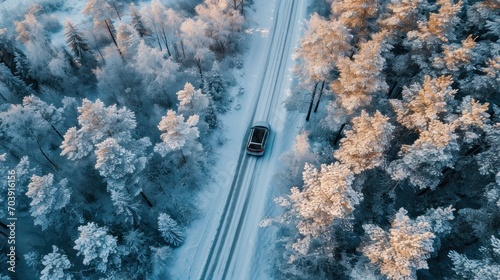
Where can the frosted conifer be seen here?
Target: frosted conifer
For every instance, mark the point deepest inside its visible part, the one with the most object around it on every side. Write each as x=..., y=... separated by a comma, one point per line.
x=56, y=265
x=169, y=229
x=47, y=198
x=96, y=245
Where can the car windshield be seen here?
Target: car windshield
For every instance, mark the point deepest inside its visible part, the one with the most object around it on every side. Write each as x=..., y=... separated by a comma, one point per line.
x=258, y=134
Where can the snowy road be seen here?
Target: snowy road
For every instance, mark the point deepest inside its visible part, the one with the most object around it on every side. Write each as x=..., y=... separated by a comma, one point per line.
x=231, y=245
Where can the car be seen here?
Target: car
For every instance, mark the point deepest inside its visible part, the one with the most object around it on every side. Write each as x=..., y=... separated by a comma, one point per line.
x=259, y=133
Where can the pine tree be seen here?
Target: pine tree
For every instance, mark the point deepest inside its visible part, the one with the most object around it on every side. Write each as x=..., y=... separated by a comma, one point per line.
x=191, y=101
x=486, y=268
x=196, y=43
x=324, y=42
x=224, y=24
x=75, y=40
x=36, y=41
x=178, y=135
x=362, y=77
x=428, y=38
x=401, y=17
x=156, y=72
x=56, y=265
x=137, y=22
x=455, y=57
x=128, y=40
x=217, y=85
x=489, y=160
x=170, y=230
x=423, y=161
x=355, y=14
x=327, y=195
x=422, y=104
x=363, y=147
x=96, y=246
x=97, y=123
x=401, y=251
x=47, y=198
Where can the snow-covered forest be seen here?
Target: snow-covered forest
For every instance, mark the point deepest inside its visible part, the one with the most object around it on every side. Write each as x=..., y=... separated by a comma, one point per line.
x=110, y=116
x=107, y=118
x=396, y=174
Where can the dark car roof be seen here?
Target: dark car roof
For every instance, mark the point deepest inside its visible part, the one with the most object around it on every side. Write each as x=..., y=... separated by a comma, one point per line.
x=258, y=133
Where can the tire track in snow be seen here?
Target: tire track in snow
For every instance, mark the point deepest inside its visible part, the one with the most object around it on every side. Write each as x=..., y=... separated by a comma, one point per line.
x=276, y=56
x=275, y=82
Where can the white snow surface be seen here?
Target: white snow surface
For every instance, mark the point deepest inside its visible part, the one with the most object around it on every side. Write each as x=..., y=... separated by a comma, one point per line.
x=226, y=242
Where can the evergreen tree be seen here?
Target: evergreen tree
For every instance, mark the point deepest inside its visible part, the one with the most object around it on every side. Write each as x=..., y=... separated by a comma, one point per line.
x=170, y=230
x=97, y=246
x=422, y=104
x=362, y=77
x=224, y=24
x=327, y=195
x=137, y=22
x=486, y=268
x=178, y=135
x=47, y=198
x=363, y=147
x=75, y=40
x=192, y=102
x=56, y=266
x=405, y=247
x=196, y=43
x=355, y=14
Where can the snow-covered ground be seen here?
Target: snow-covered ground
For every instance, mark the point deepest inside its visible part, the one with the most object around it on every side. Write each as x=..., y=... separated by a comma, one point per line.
x=227, y=243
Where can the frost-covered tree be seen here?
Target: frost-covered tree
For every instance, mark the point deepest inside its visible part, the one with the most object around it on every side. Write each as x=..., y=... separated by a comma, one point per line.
x=401, y=16
x=217, y=86
x=169, y=230
x=405, y=248
x=36, y=41
x=423, y=161
x=128, y=39
x=97, y=246
x=456, y=56
x=362, y=77
x=324, y=42
x=438, y=29
x=484, y=221
x=486, y=268
x=178, y=135
x=101, y=9
x=355, y=14
x=492, y=71
x=24, y=126
x=425, y=103
x=294, y=161
x=56, y=266
x=164, y=24
x=119, y=158
x=364, y=145
x=75, y=40
x=327, y=195
x=191, y=101
x=97, y=122
x=156, y=72
x=196, y=42
x=489, y=160
x=47, y=199
x=116, y=162
x=224, y=24
x=138, y=22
